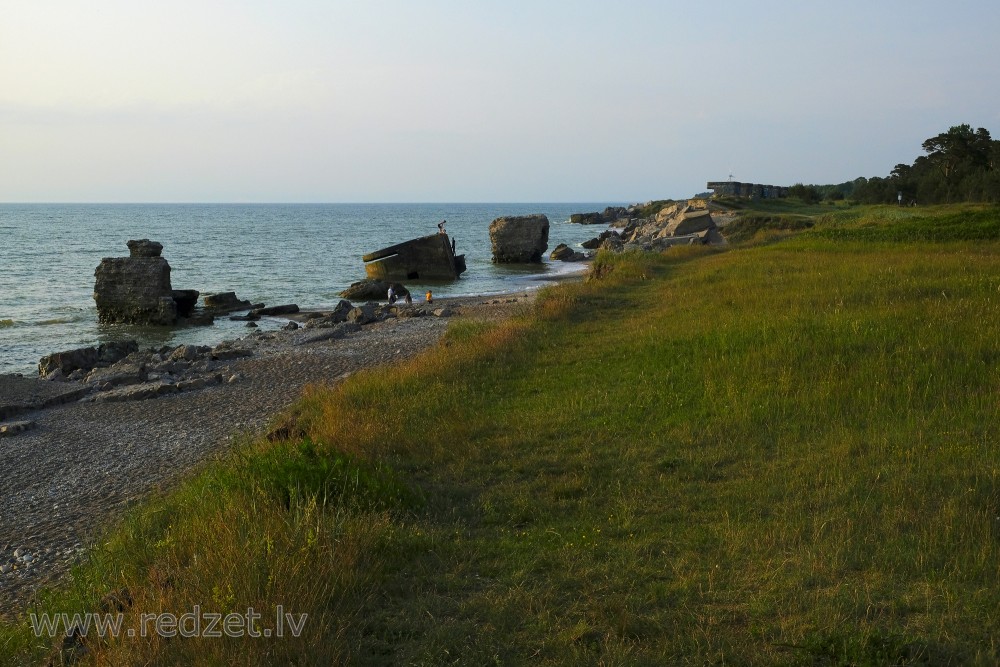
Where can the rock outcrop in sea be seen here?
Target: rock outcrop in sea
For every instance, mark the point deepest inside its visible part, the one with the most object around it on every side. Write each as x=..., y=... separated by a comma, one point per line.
x=137, y=290
x=608, y=216
x=519, y=239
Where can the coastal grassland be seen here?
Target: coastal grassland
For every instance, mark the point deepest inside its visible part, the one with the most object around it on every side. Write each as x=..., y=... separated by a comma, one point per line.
x=779, y=454
x=769, y=220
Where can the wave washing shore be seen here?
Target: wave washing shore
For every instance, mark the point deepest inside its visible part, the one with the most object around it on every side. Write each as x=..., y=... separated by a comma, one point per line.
x=275, y=254
x=82, y=464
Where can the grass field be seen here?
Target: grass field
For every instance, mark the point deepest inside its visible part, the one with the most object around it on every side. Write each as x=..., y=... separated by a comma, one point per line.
x=783, y=453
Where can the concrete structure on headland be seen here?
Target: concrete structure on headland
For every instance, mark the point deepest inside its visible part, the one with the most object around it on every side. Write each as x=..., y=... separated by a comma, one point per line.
x=747, y=190
x=427, y=258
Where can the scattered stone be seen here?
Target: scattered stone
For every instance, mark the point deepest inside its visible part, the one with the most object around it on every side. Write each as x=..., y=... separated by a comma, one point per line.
x=225, y=302
x=198, y=319
x=519, y=239
x=244, y=318
x=117, y=375
x=13, y=428
x=331, y=333
x=185, y=300
x=564, y=253
x=291, y=326
x=186, y=353
x=595, y=243
x=109, y=353
x=329, y=320
x=84, y=358
x=56, y=376
x=365, y=314
x=609, y=216
x=220, y=353
x=287, y=309
x=612, y=244
x=443, y=312
x=683, y=223
x=139, y=392
x=199, y=383
x=251, y=325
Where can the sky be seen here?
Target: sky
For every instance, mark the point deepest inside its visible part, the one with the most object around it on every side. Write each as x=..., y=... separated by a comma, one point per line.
x=476, y=100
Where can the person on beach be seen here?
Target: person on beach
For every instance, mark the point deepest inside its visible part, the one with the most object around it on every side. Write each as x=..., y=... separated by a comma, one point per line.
x=409, y=299
x=392, y=295
x=441, y=227
x=430, y=297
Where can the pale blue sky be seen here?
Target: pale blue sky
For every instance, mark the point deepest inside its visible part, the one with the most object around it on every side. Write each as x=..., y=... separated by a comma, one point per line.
x=447, y=100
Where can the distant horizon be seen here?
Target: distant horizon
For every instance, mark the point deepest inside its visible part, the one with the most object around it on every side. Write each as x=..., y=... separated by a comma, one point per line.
x=321, y=203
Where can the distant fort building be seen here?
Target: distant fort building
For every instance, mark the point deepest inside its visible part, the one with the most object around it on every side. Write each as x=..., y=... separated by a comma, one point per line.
x=746, y=190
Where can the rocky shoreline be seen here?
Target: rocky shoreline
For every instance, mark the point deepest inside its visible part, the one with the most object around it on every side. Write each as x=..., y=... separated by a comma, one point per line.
x=77, y=453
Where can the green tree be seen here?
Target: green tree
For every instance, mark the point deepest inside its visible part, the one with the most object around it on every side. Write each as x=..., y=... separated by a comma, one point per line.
x=959, y=153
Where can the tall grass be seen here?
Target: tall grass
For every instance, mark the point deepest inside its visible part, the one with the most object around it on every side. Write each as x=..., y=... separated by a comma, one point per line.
x=782, y=454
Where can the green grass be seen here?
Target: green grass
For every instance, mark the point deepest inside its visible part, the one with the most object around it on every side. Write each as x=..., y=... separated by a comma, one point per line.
x=784, y=206
x=894, y=225
x=779, y=454
x=750, y=225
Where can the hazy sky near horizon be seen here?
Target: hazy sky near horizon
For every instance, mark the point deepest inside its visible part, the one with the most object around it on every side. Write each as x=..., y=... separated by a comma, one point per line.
x=448, y=100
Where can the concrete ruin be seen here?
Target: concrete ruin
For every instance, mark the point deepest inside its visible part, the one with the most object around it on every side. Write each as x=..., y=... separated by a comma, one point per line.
x=428, y=258
x=519, y=239
x=136, y=289
x=747, y=190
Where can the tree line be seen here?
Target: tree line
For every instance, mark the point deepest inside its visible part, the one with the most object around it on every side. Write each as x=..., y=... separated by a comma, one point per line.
x=960, y=165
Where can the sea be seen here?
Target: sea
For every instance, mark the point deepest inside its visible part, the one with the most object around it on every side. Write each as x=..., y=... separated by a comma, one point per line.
x=271, y=253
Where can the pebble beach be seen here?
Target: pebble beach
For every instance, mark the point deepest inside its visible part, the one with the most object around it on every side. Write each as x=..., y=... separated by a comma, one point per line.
x=77, y=466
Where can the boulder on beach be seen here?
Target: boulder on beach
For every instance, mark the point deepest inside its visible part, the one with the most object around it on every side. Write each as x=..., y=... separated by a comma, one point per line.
x=595, y=243
x=86, y=358
x=370, y=289
x=519, y=239
x=331, y=318
x=690, y=222
x=563, y=253
x=270, y=311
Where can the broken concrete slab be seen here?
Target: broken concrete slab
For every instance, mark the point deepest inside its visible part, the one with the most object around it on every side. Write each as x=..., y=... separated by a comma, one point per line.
x=427, y=258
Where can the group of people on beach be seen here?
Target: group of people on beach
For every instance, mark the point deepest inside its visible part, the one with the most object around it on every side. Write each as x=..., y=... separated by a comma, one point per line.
x=409, y=299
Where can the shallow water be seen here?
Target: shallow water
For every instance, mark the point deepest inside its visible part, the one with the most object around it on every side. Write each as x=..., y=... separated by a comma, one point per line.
x=271, y=253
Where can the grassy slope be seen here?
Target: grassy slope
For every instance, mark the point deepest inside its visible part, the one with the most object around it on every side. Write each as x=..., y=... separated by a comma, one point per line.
x=776, y=454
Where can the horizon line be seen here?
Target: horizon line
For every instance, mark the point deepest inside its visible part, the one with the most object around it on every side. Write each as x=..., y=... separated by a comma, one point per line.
x=307, y=203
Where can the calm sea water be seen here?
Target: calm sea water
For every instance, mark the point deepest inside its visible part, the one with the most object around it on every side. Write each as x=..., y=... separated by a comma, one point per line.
x=276, y=253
